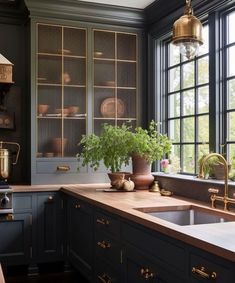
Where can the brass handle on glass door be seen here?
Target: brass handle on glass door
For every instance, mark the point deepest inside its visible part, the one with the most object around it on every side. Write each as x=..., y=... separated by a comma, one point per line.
x=102, y=221
x=63, y=168
x=104, y=245
x=77, y=206
x=202, y=272
x=104, y=278
x=146, y=273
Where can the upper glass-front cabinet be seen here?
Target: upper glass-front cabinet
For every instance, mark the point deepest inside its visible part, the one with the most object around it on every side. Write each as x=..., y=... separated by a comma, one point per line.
x=61, y=90
x=115, y=78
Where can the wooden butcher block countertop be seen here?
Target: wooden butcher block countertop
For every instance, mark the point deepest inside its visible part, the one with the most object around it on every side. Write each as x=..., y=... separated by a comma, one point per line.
x=218, y=239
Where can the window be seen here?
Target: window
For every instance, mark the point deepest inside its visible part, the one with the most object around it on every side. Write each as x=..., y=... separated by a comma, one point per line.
x=190, y=113
x=187, y=103
x=228, y=52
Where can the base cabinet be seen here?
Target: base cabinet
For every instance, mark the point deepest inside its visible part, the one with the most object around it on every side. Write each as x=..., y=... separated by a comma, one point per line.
x=34, y=235
x=15, y=239
x=49, y=227
x=80, y=236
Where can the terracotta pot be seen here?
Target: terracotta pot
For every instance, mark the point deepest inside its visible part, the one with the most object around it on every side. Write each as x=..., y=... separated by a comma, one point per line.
x=58, y=145
x=114, y=177
x=141, y=176
x=218, y=171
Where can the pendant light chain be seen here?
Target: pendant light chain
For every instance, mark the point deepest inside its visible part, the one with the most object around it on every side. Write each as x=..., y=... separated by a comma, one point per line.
x=188, y=8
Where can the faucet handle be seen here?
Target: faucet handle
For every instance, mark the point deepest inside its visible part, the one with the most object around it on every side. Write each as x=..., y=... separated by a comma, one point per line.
x=213, y=190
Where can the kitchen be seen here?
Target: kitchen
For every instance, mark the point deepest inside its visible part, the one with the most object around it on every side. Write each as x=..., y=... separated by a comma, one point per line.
x=47, y=42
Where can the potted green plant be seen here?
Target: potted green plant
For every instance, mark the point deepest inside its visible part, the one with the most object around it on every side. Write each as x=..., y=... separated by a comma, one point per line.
x=146, y=146
x=212, y=167
x=110, y=147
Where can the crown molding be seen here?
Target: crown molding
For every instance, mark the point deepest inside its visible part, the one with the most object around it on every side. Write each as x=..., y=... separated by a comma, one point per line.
x=84, y=11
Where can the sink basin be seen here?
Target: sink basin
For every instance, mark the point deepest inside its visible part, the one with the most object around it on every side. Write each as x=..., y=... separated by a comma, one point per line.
x=188, y=214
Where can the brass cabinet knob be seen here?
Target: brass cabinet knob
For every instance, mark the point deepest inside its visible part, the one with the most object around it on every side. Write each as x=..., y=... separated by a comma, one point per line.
x=104, y=278
x=146, y=273
x=203, y=273
x=102, y=221
x=77, y=206
x=104, y=245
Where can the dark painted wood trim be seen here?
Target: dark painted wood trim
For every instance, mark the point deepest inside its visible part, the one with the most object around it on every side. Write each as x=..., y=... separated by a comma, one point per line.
x=88, y=12
x=162, y=14
x=13, y=12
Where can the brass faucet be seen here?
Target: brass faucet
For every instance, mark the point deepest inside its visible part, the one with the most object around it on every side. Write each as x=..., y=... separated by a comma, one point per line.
x=225, y=199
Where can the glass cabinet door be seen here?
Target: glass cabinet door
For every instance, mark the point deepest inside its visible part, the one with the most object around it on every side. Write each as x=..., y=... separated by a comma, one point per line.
x=115, y=82
x=61, y=90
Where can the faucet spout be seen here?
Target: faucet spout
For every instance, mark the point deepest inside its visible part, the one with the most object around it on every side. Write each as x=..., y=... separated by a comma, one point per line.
x=225, y=199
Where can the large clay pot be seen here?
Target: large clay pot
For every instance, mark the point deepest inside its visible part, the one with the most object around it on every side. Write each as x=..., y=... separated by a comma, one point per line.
x=141, y=176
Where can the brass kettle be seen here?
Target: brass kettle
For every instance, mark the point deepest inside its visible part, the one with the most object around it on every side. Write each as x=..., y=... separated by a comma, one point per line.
x=6, y=159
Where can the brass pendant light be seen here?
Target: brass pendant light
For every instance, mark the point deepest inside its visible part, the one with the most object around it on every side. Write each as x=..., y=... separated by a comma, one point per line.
x=187, y=32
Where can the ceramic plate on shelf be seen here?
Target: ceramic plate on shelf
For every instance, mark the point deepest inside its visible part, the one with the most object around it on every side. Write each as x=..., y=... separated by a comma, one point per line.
x=110, y=105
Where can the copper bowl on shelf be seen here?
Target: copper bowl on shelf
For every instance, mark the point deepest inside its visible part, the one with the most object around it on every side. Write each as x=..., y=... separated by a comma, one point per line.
x=72, y=110
x=42, y=109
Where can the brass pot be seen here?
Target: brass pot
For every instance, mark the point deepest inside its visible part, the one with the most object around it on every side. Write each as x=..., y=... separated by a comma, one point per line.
x=6, y=160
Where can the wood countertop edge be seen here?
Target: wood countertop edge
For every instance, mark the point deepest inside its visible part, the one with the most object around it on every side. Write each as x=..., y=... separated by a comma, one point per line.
x=2, y=280
x=172, y=230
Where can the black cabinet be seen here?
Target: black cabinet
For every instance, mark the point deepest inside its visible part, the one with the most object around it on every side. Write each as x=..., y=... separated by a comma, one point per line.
x=35, y=232
x=80, y=236
x=151, y=256
x=108, y=248
x=49, y=227
x=15, y=239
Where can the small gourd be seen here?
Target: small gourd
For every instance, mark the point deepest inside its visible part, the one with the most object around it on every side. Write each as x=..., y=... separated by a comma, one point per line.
x=128, y=185
x=118, y=184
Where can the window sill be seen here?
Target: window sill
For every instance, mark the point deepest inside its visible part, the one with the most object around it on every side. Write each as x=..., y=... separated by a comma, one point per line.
x=191, y=178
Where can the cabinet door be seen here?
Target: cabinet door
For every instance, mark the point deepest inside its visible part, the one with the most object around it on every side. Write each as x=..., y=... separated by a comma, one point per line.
x=15, y=239
x=49, y=224
x=61, y=90
x=80, y=236
x=115, y=78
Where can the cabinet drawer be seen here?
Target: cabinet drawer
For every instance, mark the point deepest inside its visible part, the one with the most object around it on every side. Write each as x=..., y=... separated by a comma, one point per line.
x=107, y=223
x=108, y=248
x=59, y=167
x=156, y=244
x=104, y=273
x=204, y=270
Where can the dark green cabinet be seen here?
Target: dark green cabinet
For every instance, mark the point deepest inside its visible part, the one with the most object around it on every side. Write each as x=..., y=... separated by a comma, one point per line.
x=80, y=236
x=49, y=226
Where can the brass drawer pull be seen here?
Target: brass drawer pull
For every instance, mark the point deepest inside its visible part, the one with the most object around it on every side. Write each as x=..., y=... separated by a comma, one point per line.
x=63, y=168
x=146, y=273
x=104, y=278
x=77, y=206
x=102, y=221
x=104, y=245
x=202, y=272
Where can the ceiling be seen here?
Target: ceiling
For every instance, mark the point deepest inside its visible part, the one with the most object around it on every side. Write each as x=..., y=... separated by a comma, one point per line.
x=139, y=4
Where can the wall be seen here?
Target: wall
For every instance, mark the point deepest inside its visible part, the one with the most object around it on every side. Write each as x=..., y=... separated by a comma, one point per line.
x=13, y=47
